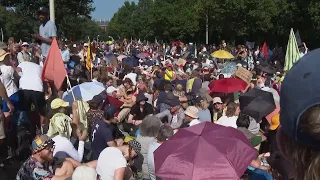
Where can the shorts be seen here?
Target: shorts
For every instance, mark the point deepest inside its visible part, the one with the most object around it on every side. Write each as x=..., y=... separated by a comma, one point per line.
x=32, y=101
x=14, y=98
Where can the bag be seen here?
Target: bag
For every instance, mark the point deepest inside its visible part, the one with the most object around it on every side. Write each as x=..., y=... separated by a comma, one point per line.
x=24, y=139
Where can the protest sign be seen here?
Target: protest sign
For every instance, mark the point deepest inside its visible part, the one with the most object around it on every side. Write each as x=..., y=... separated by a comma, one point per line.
x=244, y=74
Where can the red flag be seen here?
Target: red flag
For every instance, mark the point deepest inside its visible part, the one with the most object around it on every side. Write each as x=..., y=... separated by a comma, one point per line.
x=53, y=68
x=264, y=50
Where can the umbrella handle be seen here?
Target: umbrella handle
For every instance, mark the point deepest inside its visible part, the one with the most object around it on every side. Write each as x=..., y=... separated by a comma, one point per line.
x=69, y=84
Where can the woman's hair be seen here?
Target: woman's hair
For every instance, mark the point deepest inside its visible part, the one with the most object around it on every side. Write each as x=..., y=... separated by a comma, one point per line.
x=165, y=132
x=305, y=159
x=243, y=121
x=150, y=126
x=128, y=80
x=231, y=109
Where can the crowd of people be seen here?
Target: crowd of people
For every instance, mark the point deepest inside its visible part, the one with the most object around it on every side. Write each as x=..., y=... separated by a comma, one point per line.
x=149, y=93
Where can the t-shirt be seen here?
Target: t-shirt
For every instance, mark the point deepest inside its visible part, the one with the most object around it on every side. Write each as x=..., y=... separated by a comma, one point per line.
x=152, y=147
x=101, y=134
x=137, y=114
x=7, y=77
x=62, y=144
x=204, y=115
x=32, y=169
x=109, y=161
x=30, y=77
x=47, y=30
x=228, y=121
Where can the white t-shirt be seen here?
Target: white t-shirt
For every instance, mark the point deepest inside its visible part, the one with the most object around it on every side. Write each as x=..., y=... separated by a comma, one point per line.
x=110, y=159
x=7, y=77
x=62, y=144
x=228, y=121
x=30, y=77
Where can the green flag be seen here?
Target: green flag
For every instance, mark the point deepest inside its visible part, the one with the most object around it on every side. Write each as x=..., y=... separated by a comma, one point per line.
x=292, y=54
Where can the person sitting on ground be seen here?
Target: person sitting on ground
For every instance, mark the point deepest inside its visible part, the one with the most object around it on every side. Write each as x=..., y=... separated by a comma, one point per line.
x=103, y=132
x=191, y=117
x=36, y=168
x=112, y=162
x=165, y=132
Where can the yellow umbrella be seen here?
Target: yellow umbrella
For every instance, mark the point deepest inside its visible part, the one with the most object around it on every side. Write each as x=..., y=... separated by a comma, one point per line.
x=222, y=54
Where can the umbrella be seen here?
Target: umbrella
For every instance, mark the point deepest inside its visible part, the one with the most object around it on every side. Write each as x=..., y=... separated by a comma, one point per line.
x=267, y=69
x=222, y=54
x=120, y=57
x=227, y=85
x=257, y=103
x=204, y=151
x=142, y=55
x=85, y=91
x=292, y=54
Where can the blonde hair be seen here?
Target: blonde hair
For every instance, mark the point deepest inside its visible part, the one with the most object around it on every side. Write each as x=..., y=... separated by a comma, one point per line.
x=203, y=104
x=231, y=109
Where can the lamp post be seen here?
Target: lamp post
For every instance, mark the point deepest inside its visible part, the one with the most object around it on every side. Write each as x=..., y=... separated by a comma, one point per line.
x=52, y=13
x=98, y=38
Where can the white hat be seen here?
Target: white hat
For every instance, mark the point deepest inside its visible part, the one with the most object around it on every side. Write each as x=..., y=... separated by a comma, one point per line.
x=192, y=111
x=111, y=89
x=239, y=65
x=217, y=100
x=24, y=44
x=74, y=45
x=84, y=173
x=85, y=44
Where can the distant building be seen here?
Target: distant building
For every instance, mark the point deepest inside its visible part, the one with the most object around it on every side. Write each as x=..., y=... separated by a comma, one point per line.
x=103, y=24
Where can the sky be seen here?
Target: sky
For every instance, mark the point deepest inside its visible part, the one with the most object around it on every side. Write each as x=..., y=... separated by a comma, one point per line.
x=106, y=8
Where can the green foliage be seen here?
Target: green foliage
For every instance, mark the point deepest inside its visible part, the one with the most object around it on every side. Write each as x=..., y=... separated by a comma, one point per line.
x=72, y=18
x=232, y=20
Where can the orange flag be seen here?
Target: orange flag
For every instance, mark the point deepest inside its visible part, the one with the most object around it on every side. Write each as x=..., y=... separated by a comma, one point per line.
x=53, y=68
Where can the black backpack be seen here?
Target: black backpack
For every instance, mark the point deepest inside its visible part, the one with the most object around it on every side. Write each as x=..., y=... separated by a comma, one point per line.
x=24, y=140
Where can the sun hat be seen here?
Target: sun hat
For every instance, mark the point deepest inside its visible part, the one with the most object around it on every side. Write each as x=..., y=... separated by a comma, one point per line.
x=84, y=172
x=3, y=54
x=136, y=146
x=57, y=103
x=111, y=89
x=217, y=100
x=41, y=142
x=299, y=92
x=275, y=122
x=192, y=111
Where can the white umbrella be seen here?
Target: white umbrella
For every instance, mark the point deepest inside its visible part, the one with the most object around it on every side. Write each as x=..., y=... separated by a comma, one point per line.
x=85, y=91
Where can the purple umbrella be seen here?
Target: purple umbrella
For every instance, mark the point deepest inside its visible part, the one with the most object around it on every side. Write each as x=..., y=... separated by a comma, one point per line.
x=142, y=55
x=204, y=151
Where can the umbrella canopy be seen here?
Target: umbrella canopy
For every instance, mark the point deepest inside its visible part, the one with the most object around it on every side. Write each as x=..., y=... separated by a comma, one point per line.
x=222, y=54
x=120, y=57
x=204, y=151
x=292, y=54
x=85, y=91
x=267, y=69
x=257, y=103
x=142, y=55
x=227, y=85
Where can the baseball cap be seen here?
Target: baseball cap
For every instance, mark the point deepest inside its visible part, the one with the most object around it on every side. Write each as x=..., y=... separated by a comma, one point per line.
x=43, y=10
x=24, y=44
x=111, y=89
x=217, y=100
x=275, y=122
x=84, y=172
x=300, y=91
x=41, y=142
x=57, y=103
x=109, y=111
x=85, y=44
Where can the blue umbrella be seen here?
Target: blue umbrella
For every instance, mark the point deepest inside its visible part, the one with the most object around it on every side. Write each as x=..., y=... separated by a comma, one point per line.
x=85, y=91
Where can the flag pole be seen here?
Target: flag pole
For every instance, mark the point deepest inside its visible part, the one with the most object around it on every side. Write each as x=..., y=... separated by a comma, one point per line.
x=69, y=84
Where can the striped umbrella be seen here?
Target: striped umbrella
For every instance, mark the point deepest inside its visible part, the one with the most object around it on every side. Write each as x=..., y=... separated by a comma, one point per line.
x=292, y=54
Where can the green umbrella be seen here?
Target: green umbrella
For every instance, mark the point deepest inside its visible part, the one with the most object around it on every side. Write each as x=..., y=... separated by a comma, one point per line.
x=292, y=54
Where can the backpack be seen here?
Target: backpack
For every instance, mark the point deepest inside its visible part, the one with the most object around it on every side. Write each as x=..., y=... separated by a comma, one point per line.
x=24, y=139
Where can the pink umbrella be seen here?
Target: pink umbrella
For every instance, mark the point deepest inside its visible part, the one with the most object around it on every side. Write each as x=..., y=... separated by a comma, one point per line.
x=204, y=151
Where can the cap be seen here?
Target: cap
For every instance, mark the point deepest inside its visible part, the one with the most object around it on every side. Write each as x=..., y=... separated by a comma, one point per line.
x=136, y=146
x=217, y=100
x=299, y=92
x=85, y=44
x=74, y=45
x=275, y=122
x=24, y=44
x=43, y=10
x=84, y=172
x=41, y=142
x=110, y=111
x=57, y=103
x=111, y=89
